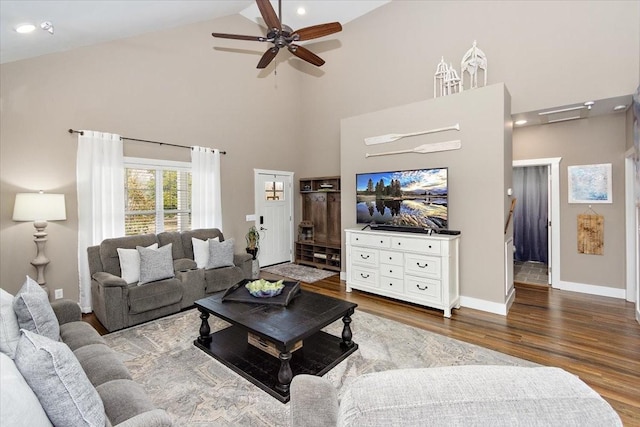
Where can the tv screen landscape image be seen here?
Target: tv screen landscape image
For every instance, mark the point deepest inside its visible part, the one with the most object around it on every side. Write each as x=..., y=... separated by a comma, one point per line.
x=411, y=198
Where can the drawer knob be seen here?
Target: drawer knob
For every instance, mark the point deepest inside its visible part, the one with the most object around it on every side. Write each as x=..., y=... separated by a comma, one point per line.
x=422, y=266
x=364, y=256
x=381, y=241
x=364, y=276
x=390, y=284
x=421, y=288
x=429, y=246
x=390, y=271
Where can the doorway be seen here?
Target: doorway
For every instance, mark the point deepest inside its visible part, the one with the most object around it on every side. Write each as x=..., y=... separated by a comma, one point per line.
x=539, y=269
x=274, y=215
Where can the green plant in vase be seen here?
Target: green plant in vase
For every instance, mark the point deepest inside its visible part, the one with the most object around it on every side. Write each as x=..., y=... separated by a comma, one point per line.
x=253, y=241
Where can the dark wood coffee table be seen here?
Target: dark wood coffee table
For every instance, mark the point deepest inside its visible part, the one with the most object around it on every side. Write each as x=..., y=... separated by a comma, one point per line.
x=281, y=330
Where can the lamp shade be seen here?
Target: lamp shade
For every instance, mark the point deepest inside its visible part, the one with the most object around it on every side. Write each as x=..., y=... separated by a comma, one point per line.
x=39, y=207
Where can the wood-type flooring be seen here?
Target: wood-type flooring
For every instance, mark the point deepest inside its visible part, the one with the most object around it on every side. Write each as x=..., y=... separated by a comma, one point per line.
x=596, y=338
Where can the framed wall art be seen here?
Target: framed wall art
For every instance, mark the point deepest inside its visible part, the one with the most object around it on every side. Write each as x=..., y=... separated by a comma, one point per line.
x=590, y=183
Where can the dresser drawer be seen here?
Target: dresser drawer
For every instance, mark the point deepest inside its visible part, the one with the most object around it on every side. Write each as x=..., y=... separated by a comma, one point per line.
x=373, y=240
x=426, y=246
x=365, y=276
x=364, y=256
x=390, y=257
x=392, y=284
x=389, y=270
x=427, y=288
x=422, y=265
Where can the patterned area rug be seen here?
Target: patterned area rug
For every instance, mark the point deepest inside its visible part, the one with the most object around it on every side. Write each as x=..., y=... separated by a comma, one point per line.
x=197, y=390
x=299, y=272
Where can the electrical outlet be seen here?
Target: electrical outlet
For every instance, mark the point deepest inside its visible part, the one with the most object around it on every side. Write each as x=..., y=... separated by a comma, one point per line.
x=58, y=294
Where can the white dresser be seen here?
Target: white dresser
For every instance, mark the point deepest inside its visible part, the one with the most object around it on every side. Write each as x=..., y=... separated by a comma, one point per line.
x=412, y=267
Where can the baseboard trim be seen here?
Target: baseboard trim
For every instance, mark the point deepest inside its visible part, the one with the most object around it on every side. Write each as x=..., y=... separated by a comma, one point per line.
x=483, y=305
x=603, y=291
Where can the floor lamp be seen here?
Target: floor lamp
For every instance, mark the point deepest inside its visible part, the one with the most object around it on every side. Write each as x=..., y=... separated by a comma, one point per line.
x=39, y=208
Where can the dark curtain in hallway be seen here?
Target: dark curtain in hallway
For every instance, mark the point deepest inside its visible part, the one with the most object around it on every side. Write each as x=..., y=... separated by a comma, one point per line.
x=530, y=217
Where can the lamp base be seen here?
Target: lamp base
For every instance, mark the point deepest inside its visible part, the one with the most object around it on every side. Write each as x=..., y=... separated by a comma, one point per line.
x=41, y=260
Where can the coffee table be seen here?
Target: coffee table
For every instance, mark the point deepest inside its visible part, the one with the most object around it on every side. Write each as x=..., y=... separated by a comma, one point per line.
x=293, y=333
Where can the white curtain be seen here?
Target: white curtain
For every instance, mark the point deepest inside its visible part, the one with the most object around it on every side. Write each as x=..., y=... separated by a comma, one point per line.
x=100, y=178
x=206, y=209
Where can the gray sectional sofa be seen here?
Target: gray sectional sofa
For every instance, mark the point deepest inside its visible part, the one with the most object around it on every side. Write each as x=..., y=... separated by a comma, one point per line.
x=118, y=304
x=452, y=396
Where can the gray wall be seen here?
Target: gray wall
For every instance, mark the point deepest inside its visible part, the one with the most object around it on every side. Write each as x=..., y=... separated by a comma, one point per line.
x=174, y=86
x=478, y=178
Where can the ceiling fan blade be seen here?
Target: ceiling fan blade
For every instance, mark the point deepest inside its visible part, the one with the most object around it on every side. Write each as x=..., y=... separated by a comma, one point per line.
x=268, y=57
x=306, y=55
x=239, y=37
x=268, y=14
x=316, y=31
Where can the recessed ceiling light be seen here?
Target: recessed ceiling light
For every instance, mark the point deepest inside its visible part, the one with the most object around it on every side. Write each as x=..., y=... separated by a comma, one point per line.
x=619, y=107
x=301, y=11
x=520, y=122
x=25, y=28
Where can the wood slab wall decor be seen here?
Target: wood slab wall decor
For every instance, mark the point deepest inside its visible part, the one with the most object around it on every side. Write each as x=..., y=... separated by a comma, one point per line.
x=591, y=234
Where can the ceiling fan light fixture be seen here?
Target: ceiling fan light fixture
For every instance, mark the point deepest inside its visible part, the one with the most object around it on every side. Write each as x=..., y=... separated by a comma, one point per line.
x=25, y=28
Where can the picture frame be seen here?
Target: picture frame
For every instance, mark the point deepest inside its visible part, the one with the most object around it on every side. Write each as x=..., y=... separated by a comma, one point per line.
x=590, y=183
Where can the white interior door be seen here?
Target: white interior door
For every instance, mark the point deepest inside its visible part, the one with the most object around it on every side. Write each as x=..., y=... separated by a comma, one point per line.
x=274, y=215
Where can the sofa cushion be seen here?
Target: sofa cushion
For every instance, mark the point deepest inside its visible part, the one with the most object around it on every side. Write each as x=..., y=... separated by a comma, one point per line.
x=221, y=279
x=220, y=253
x=56, y=377
x=175, y=238
x=19, y=406
x=130, y=263
x=101, y=364
x=202, y=234
x=123, y=399
x=109, y=250
x=9, y=329
x=201, y=251
x=78, y=334
x=154, y=295
x=34, y=313
x=155, y=264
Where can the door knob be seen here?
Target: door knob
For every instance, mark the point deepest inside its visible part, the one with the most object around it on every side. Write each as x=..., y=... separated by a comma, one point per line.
x=262, y=228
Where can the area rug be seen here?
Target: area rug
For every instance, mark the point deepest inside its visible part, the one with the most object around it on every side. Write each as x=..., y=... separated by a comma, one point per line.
x=299, y=272
x=197, y=390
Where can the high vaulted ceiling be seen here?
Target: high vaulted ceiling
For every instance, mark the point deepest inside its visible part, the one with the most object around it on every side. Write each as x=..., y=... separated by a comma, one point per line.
x=79, y=23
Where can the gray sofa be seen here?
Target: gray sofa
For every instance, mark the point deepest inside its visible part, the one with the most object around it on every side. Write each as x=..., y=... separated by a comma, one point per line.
x=124, y=401
x=452, y=396
x=118, y=304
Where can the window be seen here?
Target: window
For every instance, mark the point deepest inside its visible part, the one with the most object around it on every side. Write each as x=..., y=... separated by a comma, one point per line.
x=157, y=196
x=274, y=190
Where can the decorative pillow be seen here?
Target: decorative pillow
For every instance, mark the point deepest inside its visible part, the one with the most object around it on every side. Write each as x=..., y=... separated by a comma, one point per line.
x=56, y=377
x=155, y=264
x=130, y=263
x=220, y=253
x=34, y=313
x=9, y=329
x=20, y=406
x=201, y=251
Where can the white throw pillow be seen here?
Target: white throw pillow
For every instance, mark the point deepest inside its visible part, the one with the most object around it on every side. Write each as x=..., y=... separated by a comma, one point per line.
x=201, y=251
x=130, y=263
x=9, y=329
x=156, y=264
x=19, y=404
x=221, y=253
x=34, y=312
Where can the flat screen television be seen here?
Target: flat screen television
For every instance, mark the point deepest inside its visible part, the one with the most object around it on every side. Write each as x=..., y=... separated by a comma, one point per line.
x=409, y=198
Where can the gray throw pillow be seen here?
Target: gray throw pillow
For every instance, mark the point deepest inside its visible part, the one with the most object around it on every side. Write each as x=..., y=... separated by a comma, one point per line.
x=56, y=377
x=34, y=313
x=9, y=329
x=220, y=253
x=155, y=264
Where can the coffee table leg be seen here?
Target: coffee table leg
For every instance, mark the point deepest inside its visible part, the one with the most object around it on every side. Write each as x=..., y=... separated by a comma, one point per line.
x=285, y=375
x=205, y=330
x=347, y=335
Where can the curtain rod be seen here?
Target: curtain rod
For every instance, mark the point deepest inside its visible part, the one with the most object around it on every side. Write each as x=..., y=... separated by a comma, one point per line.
x=144, y=140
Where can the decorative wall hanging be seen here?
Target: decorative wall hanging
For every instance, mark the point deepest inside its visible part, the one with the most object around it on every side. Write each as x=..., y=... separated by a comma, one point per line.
x=383, y=139
x=423, y=149
x=591, y=233
x=472, y=62
x=590, y=183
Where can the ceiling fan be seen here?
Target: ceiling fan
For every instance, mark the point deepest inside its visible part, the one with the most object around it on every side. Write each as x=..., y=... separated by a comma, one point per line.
x=283, y=36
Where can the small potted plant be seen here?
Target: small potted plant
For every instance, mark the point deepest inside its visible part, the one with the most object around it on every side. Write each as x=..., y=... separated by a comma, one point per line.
x=253, y=241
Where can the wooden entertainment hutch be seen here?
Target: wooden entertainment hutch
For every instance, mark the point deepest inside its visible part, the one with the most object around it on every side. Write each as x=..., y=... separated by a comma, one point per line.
x=319, y=234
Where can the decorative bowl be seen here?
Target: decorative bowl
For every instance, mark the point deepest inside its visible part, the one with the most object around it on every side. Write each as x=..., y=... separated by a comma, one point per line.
x=264, y=289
